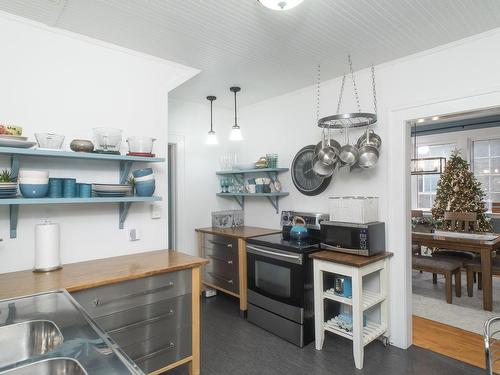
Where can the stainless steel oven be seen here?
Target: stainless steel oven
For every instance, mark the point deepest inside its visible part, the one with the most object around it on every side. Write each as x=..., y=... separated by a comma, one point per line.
x=277, y=275
x=280, y=281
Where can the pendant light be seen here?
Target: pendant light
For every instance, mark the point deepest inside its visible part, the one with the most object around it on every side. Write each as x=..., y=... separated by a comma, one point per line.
x=280, y=4
x=211, y=137
x=235, y=130
x=425, y=166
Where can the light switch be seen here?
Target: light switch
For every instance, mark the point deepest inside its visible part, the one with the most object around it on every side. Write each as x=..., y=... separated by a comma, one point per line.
x=155, y=211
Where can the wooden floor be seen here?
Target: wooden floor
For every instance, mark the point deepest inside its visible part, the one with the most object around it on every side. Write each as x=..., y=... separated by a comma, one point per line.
x=449, y=341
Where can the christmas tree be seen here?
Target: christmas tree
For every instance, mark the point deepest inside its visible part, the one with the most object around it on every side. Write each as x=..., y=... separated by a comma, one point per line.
x=458, y=190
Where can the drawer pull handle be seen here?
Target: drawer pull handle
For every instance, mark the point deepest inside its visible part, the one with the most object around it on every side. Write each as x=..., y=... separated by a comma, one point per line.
x=153, y=354
x=221, y=260
x=229, y=281
x=220, y=243
x=144, y=322
x=99, y=302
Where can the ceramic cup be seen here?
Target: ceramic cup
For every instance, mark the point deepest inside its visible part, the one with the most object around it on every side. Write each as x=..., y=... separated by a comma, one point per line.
x=85, y=191
x=251, y=189
x=69, y=188
x=55, y=187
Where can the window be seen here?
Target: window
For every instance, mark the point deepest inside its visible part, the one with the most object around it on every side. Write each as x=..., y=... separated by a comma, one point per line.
x=486, y=165
x=426, y=192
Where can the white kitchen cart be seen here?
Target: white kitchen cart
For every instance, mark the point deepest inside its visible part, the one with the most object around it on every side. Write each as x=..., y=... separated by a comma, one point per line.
x=373, y=296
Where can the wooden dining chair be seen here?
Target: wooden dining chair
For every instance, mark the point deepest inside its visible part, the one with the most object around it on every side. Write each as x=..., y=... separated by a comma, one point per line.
x=459, y=222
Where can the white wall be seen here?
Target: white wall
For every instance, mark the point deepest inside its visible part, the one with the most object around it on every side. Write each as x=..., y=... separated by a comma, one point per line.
x=190, y=123
x=429, y=83
x=55, y=81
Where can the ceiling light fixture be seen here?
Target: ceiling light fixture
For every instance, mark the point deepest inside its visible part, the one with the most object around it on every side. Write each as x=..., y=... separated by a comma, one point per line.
x=235, y=130
x=280, y=4
x=211, y=137
x=425, y=165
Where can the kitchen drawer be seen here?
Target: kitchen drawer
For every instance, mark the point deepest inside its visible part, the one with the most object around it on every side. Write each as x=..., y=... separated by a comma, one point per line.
x=214, y=241
x=222, y=268
x=161, y=325
x=221, y=276
x=175, y=308
x=221, y=253
x=122, y=296
x=178, y=347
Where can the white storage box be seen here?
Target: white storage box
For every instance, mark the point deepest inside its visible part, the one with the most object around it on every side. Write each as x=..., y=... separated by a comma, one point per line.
x=360, y=210
x=228, y=219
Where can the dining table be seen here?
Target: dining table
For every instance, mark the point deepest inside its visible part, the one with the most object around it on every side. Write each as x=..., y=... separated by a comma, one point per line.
x=483, y=243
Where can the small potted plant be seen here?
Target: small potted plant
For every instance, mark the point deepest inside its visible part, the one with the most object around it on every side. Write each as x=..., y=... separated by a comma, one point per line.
x=131, y=182
x=6, y=177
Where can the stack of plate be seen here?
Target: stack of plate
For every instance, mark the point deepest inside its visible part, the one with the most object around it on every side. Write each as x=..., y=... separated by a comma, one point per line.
x=15, y=141
x=8, y=189
x=111, y=190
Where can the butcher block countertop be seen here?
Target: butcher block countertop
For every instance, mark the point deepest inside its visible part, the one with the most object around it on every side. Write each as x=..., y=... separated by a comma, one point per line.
x=84, y=275
x=349, y=259
x=244, y=232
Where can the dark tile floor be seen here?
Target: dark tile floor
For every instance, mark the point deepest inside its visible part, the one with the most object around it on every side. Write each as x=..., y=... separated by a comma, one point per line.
x=232, y=346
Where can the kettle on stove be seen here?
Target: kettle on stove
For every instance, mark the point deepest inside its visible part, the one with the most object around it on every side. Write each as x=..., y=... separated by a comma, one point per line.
x=299, y=230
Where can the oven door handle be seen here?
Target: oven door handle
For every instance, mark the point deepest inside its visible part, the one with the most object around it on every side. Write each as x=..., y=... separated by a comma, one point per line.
x=285, y=257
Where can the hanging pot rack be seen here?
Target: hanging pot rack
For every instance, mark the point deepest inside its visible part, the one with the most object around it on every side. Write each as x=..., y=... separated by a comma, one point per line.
x=354, y=119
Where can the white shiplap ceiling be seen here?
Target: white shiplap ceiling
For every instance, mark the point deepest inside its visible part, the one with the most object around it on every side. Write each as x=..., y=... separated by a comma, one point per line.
x=267, y=53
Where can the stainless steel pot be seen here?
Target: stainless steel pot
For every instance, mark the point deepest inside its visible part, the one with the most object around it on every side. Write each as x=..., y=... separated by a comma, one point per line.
x=368, y=152
x=349, y=154
x=375, y=139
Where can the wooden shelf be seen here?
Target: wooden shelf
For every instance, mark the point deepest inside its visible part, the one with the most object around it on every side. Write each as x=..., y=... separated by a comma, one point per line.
x=125, y=165
x=370, y=332
x=29, y=201
x=253, y=170
x=240, y=198
x=75, y=155
x=370, y=298
x=280, y=194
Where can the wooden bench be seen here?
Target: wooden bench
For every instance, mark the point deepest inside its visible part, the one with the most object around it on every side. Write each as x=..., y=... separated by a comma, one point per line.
x=447, y=268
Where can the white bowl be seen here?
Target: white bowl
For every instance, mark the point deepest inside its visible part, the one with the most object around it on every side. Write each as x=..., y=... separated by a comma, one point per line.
x=34, y=181
x=145, y=178
x=33, y=174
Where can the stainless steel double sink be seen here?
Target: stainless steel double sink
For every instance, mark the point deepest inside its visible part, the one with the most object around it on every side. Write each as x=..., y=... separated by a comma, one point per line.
x=50, y=333
x=21, y=341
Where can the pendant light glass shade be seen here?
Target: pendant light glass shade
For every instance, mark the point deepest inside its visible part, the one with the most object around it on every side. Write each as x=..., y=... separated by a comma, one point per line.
x=280, y=4
x=211, y=137
x=236, y=134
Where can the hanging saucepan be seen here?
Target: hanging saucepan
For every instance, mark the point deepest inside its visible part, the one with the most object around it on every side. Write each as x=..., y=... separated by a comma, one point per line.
x=325, y=157
x=368, y=152
x=375, y=140
x=349, y=154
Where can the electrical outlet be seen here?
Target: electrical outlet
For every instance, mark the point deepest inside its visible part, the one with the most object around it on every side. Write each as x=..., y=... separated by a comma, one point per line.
x=134, y=235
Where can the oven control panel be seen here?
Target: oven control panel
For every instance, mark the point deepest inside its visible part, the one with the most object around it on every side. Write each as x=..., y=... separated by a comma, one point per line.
x=312, y=220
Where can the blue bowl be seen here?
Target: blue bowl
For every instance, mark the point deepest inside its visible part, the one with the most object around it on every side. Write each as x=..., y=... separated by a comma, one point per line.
x=145, y=189
x=34, y=190
x=142, y=172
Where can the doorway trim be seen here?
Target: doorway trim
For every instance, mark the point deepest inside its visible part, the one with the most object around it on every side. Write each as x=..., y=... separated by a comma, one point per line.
x=399, y=232
x=180, y=196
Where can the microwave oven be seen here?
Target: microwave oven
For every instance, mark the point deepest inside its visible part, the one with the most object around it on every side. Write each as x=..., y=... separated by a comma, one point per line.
x=361, y=239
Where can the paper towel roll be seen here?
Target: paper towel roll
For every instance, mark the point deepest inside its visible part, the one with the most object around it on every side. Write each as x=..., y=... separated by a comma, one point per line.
x=47, y=242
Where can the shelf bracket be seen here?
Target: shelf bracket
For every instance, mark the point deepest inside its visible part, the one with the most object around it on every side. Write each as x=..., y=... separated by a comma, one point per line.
x=123, y=212
x=125, y=167
x=240, y=201
x=13, y=213
x=14, y=166
x=275, y=203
